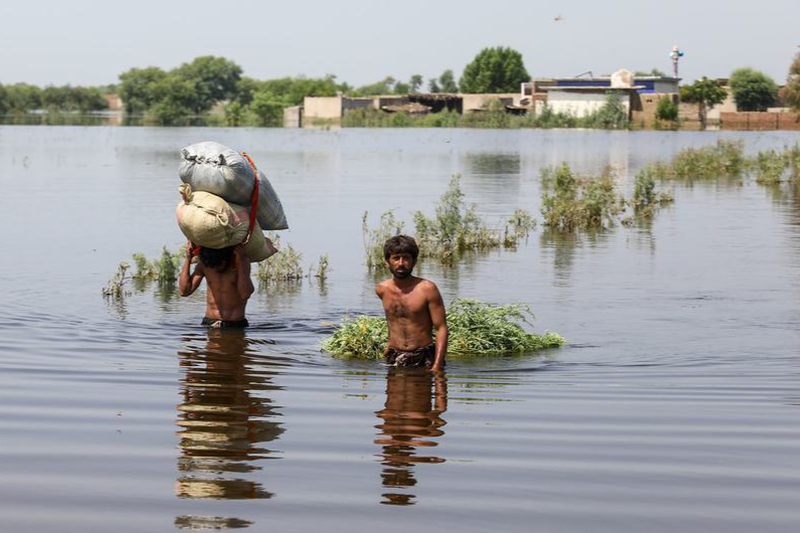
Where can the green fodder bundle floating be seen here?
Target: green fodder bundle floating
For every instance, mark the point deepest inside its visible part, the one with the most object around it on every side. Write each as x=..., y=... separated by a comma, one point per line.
x=476, y=328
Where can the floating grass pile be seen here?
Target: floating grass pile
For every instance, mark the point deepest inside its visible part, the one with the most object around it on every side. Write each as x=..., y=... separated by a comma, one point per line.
x=570, y=202
x=476, y=328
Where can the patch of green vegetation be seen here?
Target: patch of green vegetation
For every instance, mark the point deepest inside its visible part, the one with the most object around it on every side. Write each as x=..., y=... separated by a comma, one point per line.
x=163, y=270
x=771, y=166
x=454, y=229
x=570, y=202
x=115, y=288
x=286, y=266
x=646, y=200
x=725, y=159
x=476, y=328
x=374, y=239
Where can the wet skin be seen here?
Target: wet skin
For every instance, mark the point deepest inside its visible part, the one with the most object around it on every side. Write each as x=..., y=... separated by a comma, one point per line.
x=414, y=308
x=228, y=288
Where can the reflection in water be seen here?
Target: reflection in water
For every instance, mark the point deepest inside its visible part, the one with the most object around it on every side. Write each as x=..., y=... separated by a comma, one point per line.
x=411, y=418
x=223, y=419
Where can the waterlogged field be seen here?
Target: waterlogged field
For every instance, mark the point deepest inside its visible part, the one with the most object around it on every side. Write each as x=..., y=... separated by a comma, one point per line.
x=673, y=406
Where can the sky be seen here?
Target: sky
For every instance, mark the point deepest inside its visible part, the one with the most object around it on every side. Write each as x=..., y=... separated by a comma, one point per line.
x=83, y=42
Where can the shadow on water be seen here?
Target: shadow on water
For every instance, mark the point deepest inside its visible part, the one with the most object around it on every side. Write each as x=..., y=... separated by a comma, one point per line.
x=411, y=418
x=225, y=419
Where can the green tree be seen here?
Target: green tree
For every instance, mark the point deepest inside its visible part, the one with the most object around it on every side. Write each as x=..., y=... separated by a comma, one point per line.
x=706, y=94
x=294, y=90
x=175, y=101
x=791, y=91
x=401, y=88
x=23, y=97
x=447, y=82
x=415, y=83
x=752, y=90
x=385, y=86
x=666, y=109
x=494, y=70
x=268, y=107
x=5, y=104
x=612, y=116
x=215, y=79
x=433, y=86
x=137, y=88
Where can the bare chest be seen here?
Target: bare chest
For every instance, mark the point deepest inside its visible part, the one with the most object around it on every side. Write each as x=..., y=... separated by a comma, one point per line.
x=404, y=305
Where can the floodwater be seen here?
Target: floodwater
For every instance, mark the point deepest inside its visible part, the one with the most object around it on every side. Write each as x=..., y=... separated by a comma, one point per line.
x=675, y=405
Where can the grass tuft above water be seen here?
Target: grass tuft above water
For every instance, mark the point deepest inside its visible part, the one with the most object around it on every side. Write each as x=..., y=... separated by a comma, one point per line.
x=476, y=328
x=454, y=228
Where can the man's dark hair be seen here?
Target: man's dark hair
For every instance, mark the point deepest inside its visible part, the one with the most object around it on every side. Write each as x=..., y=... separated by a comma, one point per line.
x=216, y=259
x=401, y=244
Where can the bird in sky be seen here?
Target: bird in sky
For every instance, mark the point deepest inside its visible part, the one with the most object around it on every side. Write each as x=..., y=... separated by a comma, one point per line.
x=559, y=18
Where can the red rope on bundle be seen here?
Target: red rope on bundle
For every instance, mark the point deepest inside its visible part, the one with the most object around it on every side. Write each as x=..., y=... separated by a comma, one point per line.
x=253, y=199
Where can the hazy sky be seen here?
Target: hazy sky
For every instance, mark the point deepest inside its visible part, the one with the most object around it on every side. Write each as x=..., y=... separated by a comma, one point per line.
x=85, y=42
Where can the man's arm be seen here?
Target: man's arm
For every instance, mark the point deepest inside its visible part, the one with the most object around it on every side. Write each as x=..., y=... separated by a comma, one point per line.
x=244, y=284
x=436, y=309
x=188, y=283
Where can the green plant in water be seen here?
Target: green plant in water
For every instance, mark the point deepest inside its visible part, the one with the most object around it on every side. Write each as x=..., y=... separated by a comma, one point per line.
x=771, y=166
x=457, y=227
x=570, y=203
x=518, y=226
x=163, y=270
x=725, y=159
x=374, y=239
x=283, y=266
x=646, y=200
x=115, y=288
x=323, y=266
x=476, y=328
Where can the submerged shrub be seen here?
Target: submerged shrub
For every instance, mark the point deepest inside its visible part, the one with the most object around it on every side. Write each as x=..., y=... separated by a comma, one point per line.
x=771, y=166
x=570, y=203
x=283, y=266
x=115, y=288
x=646, y=200
x=374, y=239
x=725, y=159
x=476, y=328
x=163, y=270
x=457, y=228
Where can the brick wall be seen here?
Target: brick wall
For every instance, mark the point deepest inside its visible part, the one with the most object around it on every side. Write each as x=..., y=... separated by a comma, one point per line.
x=755, y=121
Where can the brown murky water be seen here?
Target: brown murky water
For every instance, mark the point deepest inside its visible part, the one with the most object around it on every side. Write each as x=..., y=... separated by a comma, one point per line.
x=674, y=407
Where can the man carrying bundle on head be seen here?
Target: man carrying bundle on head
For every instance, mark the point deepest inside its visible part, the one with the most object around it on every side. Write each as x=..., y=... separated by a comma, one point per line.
x=414, y=309
x=226, y=202
x=227, y=272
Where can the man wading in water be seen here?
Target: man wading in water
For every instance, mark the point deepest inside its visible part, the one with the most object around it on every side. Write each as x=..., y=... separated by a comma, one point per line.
x=229, y=285
x=414, y=308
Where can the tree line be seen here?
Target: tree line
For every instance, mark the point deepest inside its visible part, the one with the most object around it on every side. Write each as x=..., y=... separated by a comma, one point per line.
x=193, y=89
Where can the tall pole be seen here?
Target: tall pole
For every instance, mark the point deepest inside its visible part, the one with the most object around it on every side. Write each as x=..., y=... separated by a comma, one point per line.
x=675, y=54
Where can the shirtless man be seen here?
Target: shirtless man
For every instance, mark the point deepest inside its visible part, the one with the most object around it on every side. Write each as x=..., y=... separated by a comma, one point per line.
x=414, y=308
x=229, y=285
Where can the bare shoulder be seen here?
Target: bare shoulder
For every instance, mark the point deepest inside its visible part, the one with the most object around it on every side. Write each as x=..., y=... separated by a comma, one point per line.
x=380, y=288
x=429, y=288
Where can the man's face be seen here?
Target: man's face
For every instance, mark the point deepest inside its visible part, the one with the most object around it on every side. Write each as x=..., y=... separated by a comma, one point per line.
x=400, y=265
